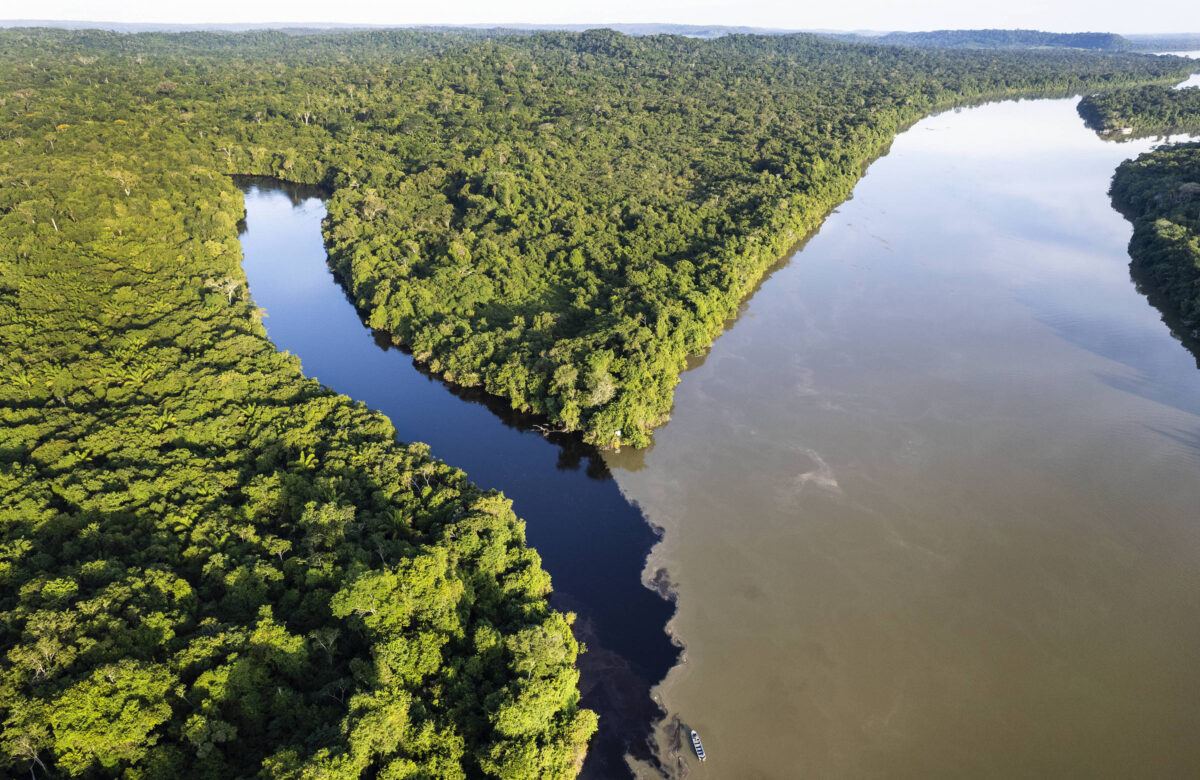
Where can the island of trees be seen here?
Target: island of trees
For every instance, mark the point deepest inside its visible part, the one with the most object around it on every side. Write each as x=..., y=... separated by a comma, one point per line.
x=1154, y=109
x=1160, y=192
x=210, y=566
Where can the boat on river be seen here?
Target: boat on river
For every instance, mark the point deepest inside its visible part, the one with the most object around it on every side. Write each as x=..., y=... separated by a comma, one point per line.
x=699, y=747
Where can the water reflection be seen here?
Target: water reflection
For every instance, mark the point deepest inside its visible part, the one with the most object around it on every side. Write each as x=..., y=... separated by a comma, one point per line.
x=592, y=541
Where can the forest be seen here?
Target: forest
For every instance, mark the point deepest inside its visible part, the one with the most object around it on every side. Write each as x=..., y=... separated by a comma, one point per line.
x=1164, y=41
x=1148, y=110
x=558, y=218
x=1000, y=39
x=1160, y=192
x=212, y=566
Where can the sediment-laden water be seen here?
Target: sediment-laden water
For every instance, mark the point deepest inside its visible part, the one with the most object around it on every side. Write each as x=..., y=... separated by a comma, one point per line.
x=931, y=506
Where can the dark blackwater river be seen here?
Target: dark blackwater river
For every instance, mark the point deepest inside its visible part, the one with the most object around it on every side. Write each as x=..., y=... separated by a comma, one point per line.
x=592, y=541
x=929, y=506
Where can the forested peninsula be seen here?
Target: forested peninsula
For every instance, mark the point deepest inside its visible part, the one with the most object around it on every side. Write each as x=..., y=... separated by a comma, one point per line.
x=1139, y=111
x=1160, y=192
x=211, y=566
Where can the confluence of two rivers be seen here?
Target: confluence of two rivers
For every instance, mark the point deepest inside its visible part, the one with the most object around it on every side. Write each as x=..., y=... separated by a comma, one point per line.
x=928, y=507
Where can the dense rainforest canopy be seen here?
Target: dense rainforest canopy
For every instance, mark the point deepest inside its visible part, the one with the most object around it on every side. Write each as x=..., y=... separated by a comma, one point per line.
x=210, y=566
x=560, y=218
x=1160, y=192
x=1152, y=109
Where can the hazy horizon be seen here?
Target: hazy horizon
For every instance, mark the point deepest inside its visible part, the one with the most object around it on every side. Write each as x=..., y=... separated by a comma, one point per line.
x=327, y=25
x=1150, y=17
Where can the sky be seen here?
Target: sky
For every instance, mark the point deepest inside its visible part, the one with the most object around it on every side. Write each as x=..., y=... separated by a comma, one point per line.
x=1119, y=16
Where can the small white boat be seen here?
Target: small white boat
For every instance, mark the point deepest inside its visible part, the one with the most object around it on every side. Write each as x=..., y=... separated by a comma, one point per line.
x=696, y=744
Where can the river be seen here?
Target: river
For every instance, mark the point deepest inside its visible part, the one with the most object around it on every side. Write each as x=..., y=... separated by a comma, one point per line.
x=928, y=506
x=1194, y=79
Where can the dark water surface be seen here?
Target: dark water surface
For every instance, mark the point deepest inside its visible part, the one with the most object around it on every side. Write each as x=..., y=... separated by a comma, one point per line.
x=592, y=541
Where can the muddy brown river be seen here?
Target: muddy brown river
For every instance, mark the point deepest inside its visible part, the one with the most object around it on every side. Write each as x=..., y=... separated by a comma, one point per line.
x=931, y=506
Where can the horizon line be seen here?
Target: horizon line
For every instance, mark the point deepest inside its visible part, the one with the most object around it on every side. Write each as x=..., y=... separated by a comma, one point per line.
x=278, y=24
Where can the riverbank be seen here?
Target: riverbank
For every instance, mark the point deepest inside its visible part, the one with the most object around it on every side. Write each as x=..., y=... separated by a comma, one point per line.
x=1142, y=111
x=1159, y=192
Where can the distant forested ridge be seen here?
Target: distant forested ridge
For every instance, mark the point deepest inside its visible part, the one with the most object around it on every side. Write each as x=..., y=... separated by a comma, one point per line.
x=1160, y=192
x=211, y=566
x=998, y=39
x=1152, y=109
x=1165, y=41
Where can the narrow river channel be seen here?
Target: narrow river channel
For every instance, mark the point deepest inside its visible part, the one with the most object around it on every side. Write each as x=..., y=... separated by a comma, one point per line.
x=929, y=507
x=592, y=541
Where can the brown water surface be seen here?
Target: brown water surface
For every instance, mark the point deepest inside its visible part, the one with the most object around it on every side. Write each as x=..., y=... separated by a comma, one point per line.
x=931, y=506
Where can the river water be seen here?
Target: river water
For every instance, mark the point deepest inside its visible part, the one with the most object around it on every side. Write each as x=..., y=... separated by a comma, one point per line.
x=928, y=506
x=1194, y=79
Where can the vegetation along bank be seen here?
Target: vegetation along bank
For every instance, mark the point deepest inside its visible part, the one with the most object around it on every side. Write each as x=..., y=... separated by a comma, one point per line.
x=1140, y=111
x=1160, y=192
